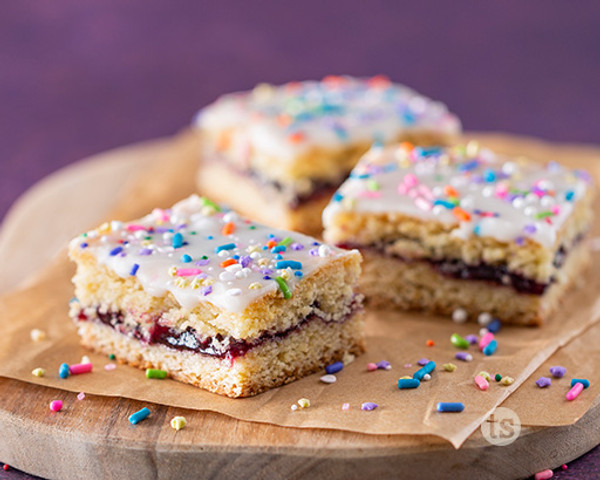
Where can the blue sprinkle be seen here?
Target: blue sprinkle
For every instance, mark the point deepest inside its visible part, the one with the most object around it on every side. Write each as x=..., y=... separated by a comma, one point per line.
x=227, y=246
x=185, y=258
x=337, y=197
x=477, y=230
x=177, y=240
x=134, y=269
x=408, y=117
x=405, y=383
x=584, y=381
x=490, y=348
x=278, y=248
x=360, y=177
x=83, y=245
x=428, y=368
x=63, y=370
x=494, y=326
x=266, y=277
x=278, y=257
x=569, y=196
x=465, y=167
x=210, y=237
x=298, y=273
x=236, y=257
x=444, y=203
x=139, y=416
x=334, y=367
x=450, y=407
x=289, y=263
x=116, y=251
x=489, y=175
x=429, y=151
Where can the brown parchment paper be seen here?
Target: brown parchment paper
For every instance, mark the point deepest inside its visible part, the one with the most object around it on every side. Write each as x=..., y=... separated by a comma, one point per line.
x=396, y=337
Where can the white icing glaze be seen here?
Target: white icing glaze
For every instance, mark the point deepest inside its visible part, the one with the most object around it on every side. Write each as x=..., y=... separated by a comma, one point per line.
x=331, y=114
x=498, y=197
x=150, y=243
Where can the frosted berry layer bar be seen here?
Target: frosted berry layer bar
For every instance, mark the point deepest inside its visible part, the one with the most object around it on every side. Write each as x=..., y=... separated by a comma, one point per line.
x=216, y=300
x=287, y=148
x=462, y=227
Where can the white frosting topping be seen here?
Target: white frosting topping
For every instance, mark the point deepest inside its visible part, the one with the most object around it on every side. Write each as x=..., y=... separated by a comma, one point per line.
x=202, y=254
x=472, y=189
x=286, y=120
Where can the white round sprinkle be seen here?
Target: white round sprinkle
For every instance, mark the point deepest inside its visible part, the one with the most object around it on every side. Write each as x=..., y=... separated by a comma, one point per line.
x=230, y=217
x=294, y=408
x=483, y=331
x=116, y=226
x=226, y=276
x=530, y=211
x=324, y=251
x=426, y=377
x=37, y=335
x=484, y=318
x=234, y=292
x=518, y=202
x=328, y=379
x=459, y=315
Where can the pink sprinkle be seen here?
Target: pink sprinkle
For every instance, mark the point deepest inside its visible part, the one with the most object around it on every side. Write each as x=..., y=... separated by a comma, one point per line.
x=80, y=396
x=575, y=391
x=345, y=406
x=556, y=209
x=423, y=204
x=369, y=194
x=407, y=365
x=564, y=466
x=371, y=367
x=188, y=272
x=481, y=382
x=56, y=405
x=135, y=228
x=410, y=180
x=485, y=340
x=426, y=192
x=161, y=214
x=501, y=190
x=402, y=189
x=80, y=368
x=544, y=475
x=110, y=366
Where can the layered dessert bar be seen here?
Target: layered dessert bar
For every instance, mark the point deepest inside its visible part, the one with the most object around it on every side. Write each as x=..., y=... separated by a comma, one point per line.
x=214, y=299
x=463, y=227
x=278, y=153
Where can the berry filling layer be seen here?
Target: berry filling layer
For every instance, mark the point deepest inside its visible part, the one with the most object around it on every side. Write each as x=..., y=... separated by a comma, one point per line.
x=219, y=346
x=495, y=274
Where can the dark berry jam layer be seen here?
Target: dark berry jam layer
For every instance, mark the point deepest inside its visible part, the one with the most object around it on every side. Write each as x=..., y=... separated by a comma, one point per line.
x=496, y=274
x=318, y=188
x=190, y=340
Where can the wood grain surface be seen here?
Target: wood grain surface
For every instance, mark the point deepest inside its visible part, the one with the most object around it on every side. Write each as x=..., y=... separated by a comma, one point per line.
x=92, y=438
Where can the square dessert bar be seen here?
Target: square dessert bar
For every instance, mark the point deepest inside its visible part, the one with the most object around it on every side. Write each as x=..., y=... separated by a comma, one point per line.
x=448, y=228
x=216, y=300
x=278, y=153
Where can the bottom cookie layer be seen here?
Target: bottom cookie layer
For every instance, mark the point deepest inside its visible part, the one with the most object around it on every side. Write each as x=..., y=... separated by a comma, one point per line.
x=269, y=365
x=419, y=285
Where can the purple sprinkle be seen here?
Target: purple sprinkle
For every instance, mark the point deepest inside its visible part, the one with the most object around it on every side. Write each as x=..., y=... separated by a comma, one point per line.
x=206, y=290
x=314, y=252
x=520, y=241
x=83, y=245
x=558, y=371
x=334, y=367
x=116, y=251
x=145, y=251
x=384, y=365
x=368, y=406
x=204, y=261
x=161, y=229
x=472, y=339
x=543, y=382
x=183, y=225
x=423, y=361
x=245, y=260
x=297, y=246
x=530, y=229
x=122, y=254
x=464, y=356
x=266, y=271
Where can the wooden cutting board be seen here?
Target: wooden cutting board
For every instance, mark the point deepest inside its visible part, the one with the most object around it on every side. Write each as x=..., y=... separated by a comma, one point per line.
x=98, y=442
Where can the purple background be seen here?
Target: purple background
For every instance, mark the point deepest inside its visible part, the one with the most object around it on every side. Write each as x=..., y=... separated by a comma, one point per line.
x=77, y=78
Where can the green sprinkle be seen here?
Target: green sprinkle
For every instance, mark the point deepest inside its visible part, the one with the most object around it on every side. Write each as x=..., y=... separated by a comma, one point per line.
x=208, y=203
x=148, y=238
x=458, y=341
x=285, y=242
x=156, y=373
x=283, y=286
x=204, y=257
x=112, y=356
x=545, y=214
x=373, y=185
x=252, y=227
x=192, y=233
x=497, y=377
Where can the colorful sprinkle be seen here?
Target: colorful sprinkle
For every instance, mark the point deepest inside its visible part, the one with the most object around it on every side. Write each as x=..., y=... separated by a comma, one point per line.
x=481, y=382
x=558, y=371
x=177, y=423
x=464, y=356
x=80, y=368
x=428, y=368
x=405, y=383
x=543, y=382
x=450, y=407
x=304, y=403
x=328, y=379
x=56, y=405
x=138, y=416
x=458, y=341
x=585, y=382
x=334, y=367
x=156, y=373
x=368, y=406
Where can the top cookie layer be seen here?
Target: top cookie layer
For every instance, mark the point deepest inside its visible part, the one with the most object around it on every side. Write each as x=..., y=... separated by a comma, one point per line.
x=199, y=254
x=285, y=121
x=474, y=191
